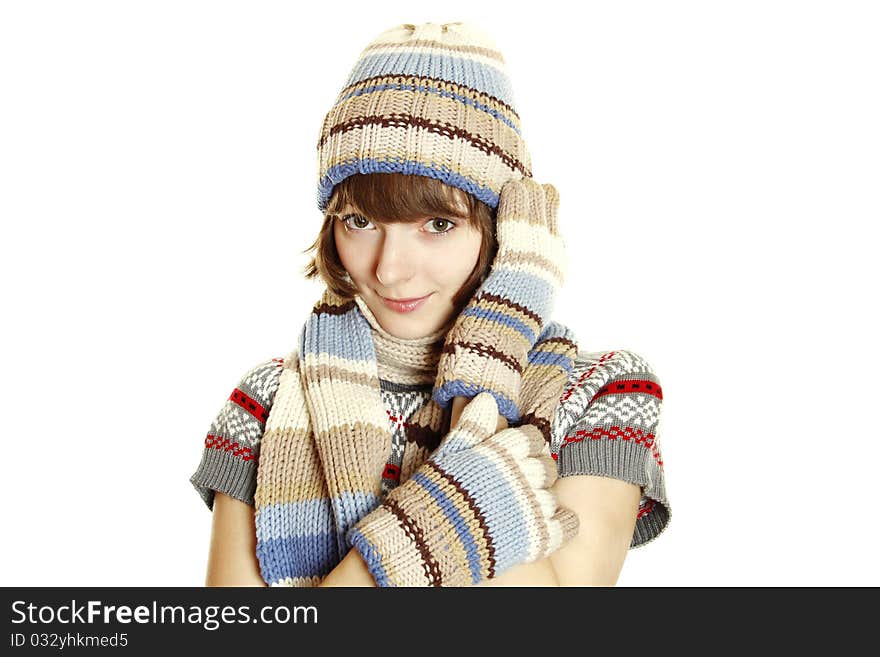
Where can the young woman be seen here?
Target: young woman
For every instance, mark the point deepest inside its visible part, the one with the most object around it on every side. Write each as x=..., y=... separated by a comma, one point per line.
x=442, y=254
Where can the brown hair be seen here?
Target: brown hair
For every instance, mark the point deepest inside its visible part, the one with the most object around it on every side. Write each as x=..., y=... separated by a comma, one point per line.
x=396, y=198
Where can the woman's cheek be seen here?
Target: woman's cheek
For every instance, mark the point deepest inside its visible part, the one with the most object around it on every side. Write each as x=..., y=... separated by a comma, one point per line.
x=348, y=252
x=455, y=268
x=467, y=256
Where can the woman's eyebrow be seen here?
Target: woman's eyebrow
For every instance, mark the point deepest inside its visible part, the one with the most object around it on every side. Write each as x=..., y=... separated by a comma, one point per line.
x=348, y=209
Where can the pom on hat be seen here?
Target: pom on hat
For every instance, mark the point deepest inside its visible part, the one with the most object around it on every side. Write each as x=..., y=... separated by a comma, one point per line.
x=429, y=100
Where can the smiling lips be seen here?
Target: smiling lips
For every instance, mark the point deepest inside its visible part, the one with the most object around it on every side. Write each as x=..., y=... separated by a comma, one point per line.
x=404, y=305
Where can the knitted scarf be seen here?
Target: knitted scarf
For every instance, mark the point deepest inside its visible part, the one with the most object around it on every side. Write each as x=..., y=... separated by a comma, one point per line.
x=327, y=438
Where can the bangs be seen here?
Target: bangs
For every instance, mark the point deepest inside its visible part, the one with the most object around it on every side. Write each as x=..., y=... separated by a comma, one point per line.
x=400, y=198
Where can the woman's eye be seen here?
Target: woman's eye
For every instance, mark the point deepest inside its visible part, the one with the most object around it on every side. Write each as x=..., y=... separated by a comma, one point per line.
x=445, y=225
x=353, y=220
x=359, y=223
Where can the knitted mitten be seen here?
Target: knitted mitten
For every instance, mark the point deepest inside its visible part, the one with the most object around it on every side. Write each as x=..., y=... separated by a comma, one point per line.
x=486, y=349
x=550, y=363
x=479, y=505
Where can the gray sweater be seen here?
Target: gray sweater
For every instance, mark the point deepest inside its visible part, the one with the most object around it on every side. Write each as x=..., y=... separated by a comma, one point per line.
x=606, y=424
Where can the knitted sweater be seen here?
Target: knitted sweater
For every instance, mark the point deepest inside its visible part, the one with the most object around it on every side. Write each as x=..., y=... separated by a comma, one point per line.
x=606, y=423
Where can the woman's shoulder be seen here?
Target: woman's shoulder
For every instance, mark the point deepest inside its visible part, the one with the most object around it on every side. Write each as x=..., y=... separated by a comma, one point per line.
x=232, y=444
x=592, y=370
x=257, y=386
x=265, y=371
x=608, y=424
x=596, y=373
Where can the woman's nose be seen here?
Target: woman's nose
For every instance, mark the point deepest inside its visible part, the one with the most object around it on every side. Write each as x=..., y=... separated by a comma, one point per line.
x=396, y=261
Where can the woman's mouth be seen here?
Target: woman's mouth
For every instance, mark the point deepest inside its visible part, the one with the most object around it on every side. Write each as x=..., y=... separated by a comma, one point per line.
x=404, y=305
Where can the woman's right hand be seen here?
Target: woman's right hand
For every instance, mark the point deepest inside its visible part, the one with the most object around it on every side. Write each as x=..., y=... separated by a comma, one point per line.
x=458, y=405
x=478, y=506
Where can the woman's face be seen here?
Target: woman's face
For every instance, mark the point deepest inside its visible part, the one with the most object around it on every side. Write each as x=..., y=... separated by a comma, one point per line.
x=432, y=256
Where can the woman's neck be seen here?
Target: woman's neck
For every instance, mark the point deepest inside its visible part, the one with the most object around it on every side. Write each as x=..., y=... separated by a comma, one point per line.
x=409, y=361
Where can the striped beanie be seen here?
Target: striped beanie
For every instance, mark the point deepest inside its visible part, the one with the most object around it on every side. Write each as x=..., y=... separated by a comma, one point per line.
x=430, y=100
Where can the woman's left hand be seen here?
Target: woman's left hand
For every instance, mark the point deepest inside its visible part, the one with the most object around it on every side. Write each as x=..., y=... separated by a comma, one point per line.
x=487, y=348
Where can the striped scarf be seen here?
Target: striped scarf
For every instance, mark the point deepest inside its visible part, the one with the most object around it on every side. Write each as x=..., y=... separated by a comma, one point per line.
x=327, y=439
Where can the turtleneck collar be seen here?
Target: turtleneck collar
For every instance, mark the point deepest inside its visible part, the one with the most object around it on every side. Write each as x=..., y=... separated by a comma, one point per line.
x=409, y=361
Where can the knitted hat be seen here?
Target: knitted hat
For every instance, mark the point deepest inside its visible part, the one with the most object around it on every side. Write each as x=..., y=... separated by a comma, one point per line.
x=428, y=100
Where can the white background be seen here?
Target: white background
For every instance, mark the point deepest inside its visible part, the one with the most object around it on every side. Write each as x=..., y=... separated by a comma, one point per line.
x=718, y=166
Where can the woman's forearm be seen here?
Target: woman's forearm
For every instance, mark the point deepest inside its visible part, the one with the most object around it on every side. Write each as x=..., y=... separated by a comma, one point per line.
x=607, y=509
x=536, y=573
x=351, y=571
x=232, y=559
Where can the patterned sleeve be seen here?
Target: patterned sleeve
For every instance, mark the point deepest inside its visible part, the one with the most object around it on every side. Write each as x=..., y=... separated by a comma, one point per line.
x=232, y=446
x=607, y=424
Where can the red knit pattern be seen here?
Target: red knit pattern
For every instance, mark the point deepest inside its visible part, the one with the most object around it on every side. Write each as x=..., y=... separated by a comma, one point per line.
x=249, y=404
x=583, y=377
x=391, y=471
x=640, y=436
x=226, y=445
x=633, y=385
x=646, y=508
